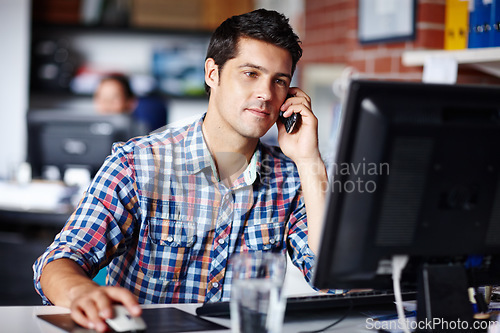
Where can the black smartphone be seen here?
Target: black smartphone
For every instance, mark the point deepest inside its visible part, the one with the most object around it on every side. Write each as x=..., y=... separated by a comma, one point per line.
x=291, y=121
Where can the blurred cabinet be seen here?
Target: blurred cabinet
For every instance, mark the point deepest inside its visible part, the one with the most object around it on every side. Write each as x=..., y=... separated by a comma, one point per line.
x=160, y=44
x=172, y=14
x=56, y=11
x=24, y=236
x=216, y=11
x=69, y=60
x=186, y=14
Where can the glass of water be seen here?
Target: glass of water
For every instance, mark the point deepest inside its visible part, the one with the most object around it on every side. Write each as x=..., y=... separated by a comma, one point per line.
x=257, y=302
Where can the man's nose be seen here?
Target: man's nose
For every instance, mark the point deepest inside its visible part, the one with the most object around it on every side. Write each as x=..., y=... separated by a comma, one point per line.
x=264, y=90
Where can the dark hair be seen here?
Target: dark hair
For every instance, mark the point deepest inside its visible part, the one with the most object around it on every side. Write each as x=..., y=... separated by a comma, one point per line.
x=261, y=24
x=123, y=81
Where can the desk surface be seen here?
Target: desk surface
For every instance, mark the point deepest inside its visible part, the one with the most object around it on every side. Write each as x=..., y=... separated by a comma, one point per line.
x=38, y=203
x=29, y=218
x=22, y=319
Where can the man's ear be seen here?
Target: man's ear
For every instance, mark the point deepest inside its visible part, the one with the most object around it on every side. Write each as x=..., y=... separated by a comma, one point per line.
x=211, y=73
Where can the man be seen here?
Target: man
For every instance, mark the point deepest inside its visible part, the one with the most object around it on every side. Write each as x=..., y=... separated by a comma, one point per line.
x=167, y=211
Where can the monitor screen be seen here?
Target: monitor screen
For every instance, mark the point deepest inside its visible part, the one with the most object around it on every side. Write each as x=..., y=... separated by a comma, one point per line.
x=417, y=173
x=63, y=139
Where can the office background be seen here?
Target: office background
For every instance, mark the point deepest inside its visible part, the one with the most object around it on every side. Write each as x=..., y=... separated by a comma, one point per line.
x=333, y=53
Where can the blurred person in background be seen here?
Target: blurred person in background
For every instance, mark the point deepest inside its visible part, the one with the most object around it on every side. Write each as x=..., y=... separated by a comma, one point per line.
x=114, y=95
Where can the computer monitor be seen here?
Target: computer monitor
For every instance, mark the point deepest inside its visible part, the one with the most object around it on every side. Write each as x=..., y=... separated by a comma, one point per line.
x=65, y=139
x=417, y=173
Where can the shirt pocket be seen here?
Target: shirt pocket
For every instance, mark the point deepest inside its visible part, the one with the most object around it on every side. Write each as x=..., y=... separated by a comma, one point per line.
x=167, y=248
x=265, y=236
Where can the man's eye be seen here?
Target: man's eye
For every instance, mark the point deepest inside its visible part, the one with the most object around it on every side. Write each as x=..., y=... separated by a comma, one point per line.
x=281, y=82
x=251, y=74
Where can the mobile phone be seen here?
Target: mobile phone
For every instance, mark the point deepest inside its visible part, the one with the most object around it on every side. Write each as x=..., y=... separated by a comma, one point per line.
x=289, y=122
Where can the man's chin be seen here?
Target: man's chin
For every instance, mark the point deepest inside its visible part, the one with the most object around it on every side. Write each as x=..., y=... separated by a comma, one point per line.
x=257, y=133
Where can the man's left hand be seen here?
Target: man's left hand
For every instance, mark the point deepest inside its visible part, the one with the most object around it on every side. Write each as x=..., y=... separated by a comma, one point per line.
x=302, y=143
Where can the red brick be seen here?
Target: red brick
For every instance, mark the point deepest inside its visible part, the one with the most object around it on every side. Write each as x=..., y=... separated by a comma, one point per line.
x=359, y=65
x=431, y=13
x=383, y=65
x=351, y=23
x=472, y=76
x=396, y=46
x=429, y=39
x=409, y=69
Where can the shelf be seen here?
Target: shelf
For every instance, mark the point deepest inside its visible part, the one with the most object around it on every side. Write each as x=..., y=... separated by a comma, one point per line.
x=484, y=59
x=49, y=28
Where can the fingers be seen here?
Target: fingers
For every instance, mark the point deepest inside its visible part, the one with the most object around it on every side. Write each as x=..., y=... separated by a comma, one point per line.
x=299, y=103
x=298, y=93
x=125, y=297
x=86, y=313
x=91, y=310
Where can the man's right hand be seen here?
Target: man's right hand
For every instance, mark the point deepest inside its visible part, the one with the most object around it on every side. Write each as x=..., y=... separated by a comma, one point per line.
x=92, y=305
x=66, y=284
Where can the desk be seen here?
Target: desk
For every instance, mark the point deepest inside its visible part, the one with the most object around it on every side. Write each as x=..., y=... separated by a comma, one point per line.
x=29, y=218
x=23, y=319
x=37, y=196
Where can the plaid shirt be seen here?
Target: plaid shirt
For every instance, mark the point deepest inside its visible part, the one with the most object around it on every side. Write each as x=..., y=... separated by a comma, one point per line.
x=158, y=217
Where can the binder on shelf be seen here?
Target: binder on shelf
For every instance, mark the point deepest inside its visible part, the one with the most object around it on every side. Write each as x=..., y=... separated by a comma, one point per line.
x=479, y=20
x=473, y=34
x=495, y=24
x=456, y=24
x=485, y=20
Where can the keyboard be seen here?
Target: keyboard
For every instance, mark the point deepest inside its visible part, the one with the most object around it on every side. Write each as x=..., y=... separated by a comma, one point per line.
x=311, y=303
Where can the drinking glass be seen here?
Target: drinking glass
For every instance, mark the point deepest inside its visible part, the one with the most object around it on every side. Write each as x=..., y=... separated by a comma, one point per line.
x=257, y=302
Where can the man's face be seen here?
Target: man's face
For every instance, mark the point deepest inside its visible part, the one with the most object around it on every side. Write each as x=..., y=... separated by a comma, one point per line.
x=250, y=88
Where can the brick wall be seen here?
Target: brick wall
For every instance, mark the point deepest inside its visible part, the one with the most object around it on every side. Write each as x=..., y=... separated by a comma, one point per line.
x=331, y=37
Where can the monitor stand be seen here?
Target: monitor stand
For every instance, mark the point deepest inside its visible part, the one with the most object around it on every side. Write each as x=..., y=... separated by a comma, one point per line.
x=442, y=297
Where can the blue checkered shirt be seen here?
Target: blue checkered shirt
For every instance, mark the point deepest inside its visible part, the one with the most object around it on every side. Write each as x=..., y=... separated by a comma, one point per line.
x=158, y=217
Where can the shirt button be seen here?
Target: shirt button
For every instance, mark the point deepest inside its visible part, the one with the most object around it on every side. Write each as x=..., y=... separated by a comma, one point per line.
x=272, y=241
x=221, y=241
x=170, y=239
x=215, y=284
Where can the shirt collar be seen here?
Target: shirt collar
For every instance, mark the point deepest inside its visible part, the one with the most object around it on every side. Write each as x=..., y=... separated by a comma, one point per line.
x=197, y=156
x=250, y=174
x=253, y=169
